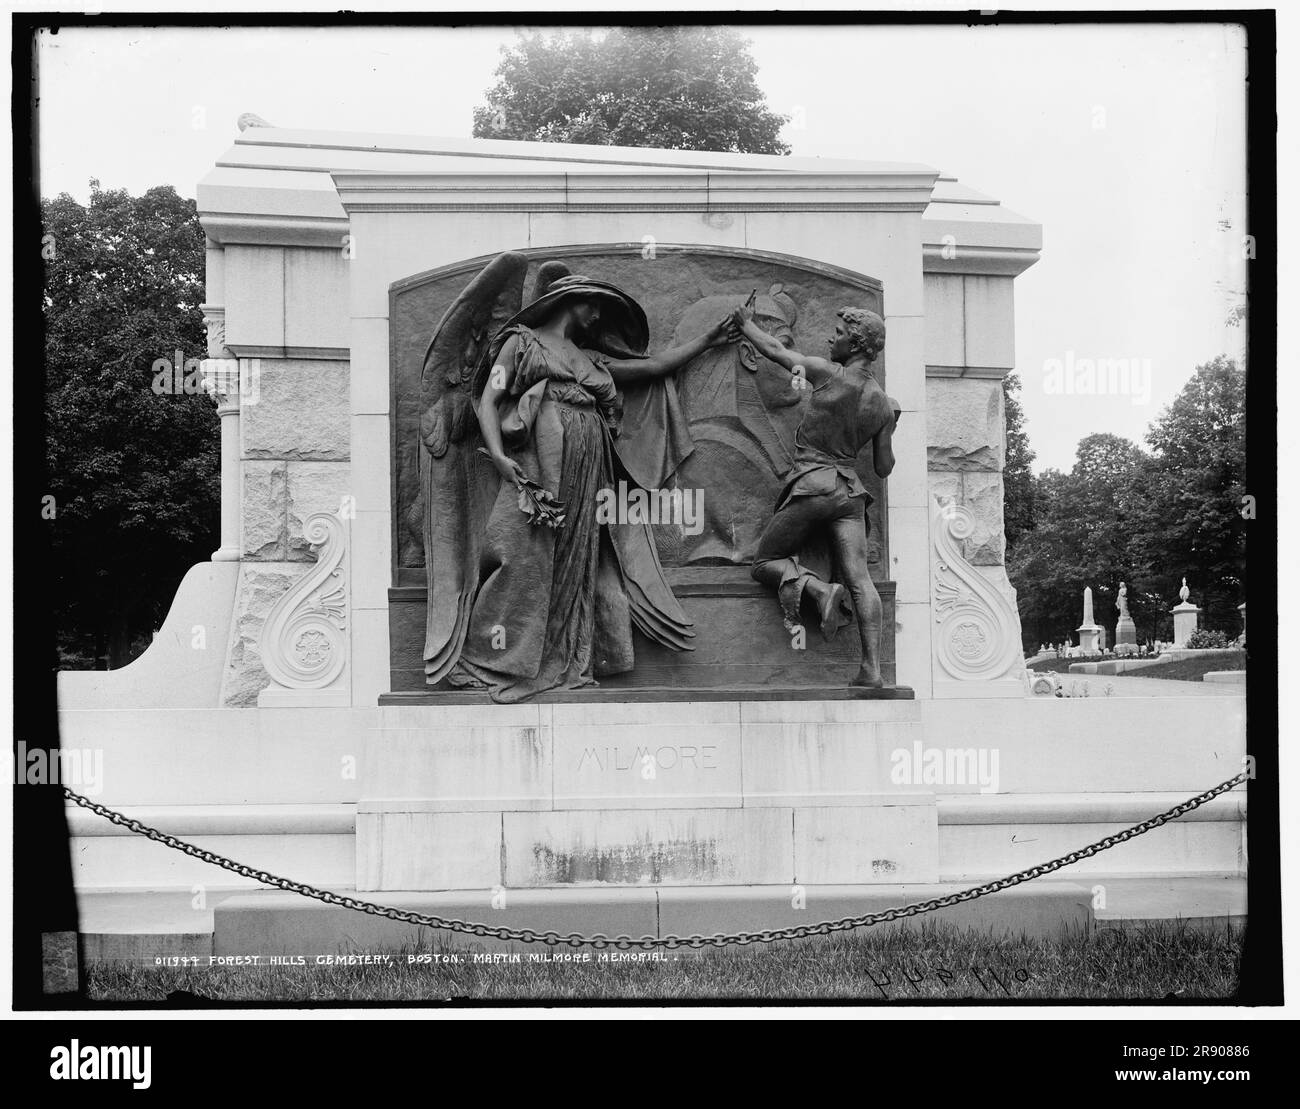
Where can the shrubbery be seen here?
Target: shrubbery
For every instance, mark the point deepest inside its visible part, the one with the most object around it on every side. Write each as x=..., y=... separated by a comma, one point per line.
x=1203, y=638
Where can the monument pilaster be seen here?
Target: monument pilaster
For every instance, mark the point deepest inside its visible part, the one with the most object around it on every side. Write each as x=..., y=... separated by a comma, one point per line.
x=222, y=377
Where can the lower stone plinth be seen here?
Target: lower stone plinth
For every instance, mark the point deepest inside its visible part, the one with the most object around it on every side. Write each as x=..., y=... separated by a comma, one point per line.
x=143, y=926
x=669, y=793
x=399, y=846
x=270, y=923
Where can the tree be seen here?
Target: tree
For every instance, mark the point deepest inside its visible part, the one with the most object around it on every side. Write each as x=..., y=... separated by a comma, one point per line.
x=1082, y=539
x=1017, y=478
x=134, y=496
x=680, y=88
x=1192, y=522
x=1148, y=519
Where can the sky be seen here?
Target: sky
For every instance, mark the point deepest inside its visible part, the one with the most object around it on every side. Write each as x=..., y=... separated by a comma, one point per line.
x=1126, y=142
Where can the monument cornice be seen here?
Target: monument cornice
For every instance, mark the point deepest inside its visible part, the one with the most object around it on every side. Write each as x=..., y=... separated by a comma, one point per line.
x=315, y=354
x=986, y=260
x=256, y=229
x=907, y=191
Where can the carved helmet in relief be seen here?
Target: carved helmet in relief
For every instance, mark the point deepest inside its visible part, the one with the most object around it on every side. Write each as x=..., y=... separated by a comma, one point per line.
x=776, y=313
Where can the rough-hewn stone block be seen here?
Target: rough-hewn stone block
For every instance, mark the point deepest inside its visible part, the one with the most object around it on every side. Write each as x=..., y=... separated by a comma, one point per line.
x=965, y=424
x=264, y=501
x=982, y=494
x=302, y=411
x=260, y=586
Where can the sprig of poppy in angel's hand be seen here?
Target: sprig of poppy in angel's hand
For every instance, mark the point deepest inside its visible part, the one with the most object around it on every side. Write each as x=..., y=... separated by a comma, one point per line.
x=538, y=504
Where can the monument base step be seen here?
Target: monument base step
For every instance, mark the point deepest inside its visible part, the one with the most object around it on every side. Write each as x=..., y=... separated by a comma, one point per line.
x=1225, y=677
x=659, y=694
x=143, y=926
x=274, y=923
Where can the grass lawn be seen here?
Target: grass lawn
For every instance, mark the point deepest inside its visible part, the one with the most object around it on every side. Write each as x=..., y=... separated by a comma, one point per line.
x=1191, y=669
x=938, y=963
x=1060, y=665
x=1185, y=670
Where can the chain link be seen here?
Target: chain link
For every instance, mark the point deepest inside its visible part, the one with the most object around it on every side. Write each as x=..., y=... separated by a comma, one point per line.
x=671, y=943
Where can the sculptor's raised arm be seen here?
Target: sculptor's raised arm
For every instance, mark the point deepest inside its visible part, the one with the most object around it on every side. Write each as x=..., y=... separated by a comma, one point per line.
x=809, y=366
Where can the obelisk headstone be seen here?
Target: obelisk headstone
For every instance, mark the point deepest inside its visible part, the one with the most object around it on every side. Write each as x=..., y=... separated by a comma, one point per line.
x=1089, y=631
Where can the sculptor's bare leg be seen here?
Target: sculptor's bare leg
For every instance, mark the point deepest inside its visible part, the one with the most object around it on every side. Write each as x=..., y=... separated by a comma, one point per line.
x=849, y=534
x=776, y=566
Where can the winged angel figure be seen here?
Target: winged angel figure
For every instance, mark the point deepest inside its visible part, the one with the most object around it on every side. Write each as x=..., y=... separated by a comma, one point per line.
x=528, y=412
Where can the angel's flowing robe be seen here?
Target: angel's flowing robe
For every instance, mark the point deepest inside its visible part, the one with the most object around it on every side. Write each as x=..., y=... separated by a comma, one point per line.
x=555, y=607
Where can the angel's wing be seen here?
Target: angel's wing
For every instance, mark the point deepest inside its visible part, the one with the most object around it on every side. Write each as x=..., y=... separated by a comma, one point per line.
x=457, y=347
x=458, y=487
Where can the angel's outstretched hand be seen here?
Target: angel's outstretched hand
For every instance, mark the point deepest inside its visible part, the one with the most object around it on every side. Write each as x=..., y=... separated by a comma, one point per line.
x=723, y=332
x=741, y=315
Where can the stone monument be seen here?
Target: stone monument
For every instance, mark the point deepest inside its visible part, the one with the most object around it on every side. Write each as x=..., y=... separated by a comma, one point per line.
x=1090, y=632
x=1185, y=617
x=1125, y=629
x=299, y=731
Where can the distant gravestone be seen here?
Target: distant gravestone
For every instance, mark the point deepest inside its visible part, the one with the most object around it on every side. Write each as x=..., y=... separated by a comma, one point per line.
x=1090, y=632
x=1185, y=614
x=1125, y=629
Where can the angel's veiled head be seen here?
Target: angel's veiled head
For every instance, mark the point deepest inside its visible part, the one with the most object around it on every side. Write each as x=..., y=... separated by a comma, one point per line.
x=603, y=315
x=586, y=313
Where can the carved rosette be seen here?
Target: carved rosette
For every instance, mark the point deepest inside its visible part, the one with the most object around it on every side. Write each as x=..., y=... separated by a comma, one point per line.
x=977, y=633
x=304, y=641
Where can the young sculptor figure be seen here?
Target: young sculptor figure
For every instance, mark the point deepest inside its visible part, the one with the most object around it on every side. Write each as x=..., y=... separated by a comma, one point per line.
x=846, y=410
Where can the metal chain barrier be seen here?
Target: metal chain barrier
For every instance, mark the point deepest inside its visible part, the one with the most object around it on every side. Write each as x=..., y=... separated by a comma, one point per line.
x=626, y=943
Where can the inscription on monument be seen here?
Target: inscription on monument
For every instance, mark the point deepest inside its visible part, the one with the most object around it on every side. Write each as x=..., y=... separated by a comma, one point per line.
x=648, y=760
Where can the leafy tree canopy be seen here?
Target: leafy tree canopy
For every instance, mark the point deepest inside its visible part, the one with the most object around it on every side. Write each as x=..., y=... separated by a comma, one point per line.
x=132, y=473
x=1017, y=478
x=680, y=88
x=1147, y=518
